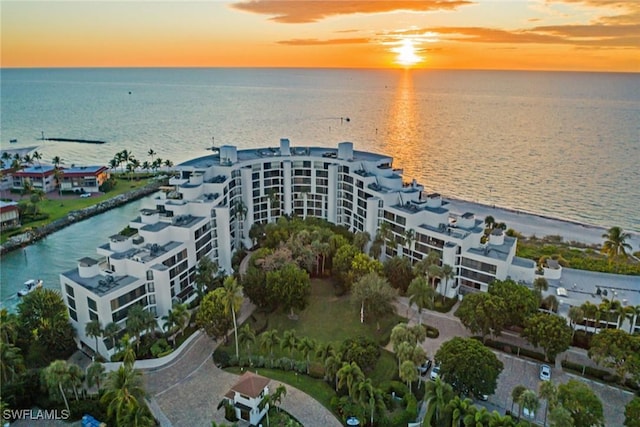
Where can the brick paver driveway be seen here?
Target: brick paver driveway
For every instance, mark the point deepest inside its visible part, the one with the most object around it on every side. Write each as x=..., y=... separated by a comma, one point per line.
x=188, y=390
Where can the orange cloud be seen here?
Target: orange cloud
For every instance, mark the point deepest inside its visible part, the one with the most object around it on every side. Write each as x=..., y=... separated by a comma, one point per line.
x=629, y=10
x=317, y=42
x=579, y=35
x=304, y=11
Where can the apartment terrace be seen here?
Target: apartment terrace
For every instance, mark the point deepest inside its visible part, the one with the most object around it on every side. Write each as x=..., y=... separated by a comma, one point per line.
x=444, y=229
x=495, y=252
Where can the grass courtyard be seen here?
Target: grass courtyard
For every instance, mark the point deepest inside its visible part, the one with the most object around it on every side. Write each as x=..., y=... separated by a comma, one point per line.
x=328, y=318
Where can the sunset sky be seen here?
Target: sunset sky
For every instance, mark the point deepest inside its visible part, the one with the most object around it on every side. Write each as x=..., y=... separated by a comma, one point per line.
x=588, y=35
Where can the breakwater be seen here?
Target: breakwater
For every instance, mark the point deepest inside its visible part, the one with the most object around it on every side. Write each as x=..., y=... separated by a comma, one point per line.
x=83, y=141
x=72, y=217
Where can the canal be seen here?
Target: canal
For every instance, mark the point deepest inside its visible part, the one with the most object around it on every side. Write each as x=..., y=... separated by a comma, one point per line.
x=60, y=251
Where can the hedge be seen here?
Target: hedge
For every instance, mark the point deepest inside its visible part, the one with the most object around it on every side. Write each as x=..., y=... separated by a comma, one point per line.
x=514, y=349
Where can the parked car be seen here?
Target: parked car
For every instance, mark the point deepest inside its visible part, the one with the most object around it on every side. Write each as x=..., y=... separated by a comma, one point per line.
x=435, y=373
x=545, y=372
x=424, y=368
x=85, y=195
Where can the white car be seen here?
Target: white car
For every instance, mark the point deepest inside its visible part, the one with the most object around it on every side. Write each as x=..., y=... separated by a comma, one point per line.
x=435, y=373
x=545, y=372
x=85, y=195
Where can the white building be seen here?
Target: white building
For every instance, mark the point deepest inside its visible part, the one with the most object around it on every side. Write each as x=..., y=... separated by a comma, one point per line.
x=218, y=197
x=246, y=396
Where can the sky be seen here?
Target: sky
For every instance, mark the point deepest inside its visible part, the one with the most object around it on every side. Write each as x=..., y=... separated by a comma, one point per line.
x=568, y=35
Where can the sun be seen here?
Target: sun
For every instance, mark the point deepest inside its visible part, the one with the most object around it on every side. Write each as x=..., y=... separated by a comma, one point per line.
x=406, y=54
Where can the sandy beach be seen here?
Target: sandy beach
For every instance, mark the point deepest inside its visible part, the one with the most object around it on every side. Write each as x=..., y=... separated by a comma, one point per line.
x=530, y=224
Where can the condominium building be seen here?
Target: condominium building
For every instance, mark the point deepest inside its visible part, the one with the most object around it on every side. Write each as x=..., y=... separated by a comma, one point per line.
x=216, y=198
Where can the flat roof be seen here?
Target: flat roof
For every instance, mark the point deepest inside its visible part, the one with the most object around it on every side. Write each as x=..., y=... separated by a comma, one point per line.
x=99, y=284
x=322, y=153
x=83, y=169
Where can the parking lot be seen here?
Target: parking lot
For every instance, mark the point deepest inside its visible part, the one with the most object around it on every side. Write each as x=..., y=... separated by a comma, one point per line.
x=519, y=371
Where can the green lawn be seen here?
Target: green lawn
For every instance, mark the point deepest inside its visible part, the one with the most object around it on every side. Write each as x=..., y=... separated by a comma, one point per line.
x=329, y=318
x=60, y=207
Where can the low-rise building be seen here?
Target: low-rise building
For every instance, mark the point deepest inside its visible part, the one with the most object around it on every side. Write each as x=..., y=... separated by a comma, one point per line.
x=39, y=177
x=246, y=395
x=9, y=215
x=83, y=179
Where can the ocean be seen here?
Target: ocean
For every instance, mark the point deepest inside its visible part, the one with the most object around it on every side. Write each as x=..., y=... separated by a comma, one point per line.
x=560, y=144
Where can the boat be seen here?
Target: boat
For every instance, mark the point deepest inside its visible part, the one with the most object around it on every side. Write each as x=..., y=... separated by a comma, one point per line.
x=29, y=286
x=13, y=141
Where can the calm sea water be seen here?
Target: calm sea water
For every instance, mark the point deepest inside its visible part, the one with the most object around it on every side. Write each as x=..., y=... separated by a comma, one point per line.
x=565, y=145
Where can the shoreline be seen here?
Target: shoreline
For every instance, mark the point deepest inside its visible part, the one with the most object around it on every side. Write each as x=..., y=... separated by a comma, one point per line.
x=32, y=236
x=539, y=225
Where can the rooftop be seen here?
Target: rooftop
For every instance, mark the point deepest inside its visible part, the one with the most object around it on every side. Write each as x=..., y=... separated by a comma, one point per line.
x=100, y=285
x=250, y=384
x=274, y=152
x=83, y=170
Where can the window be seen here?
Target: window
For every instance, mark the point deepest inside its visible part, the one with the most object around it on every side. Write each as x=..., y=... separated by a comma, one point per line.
x=73, y=314
x=92, y=304
x=149, y=274
x=69, y=290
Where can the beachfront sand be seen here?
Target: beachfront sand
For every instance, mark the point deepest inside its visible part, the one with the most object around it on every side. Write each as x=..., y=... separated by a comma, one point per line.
x=530, y=224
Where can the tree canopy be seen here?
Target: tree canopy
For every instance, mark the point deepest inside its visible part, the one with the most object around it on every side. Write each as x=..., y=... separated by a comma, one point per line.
x=211, y=316
x=549, y=331
x=520, y=301
x=470, y=367
x=585, y=407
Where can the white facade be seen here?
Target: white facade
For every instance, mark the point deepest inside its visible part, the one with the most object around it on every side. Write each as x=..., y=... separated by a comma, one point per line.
x=218, y=197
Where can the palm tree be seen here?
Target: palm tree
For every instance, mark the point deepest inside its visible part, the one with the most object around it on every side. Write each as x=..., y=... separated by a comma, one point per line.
x=56, y=375
x=615, y=244
x=324, y=350
x=111, y=331
x=499, y=420
x=447, y=273
x=306, y=346
x=289, y=342
x=11, y=362
x=168, y=164
x=632, y=313
x=232, y=299
x=515, y=396
x=76, y=378
x=591, y=312
x=477, y=417
x=136, y=322
x=268, y=340
x=360, y=240
x=332, y=365
x=151, y=153
x=529, y=401
x=385, y=236
x=369, y=397
x=409, y=237
x=95, y=374
x=93, y=328
x=459, y=408
x=408, y=372
x=437, y=395
x=123, y=393
x=247, y=337
x=576, y=314
x=548, y=392
x=421, y=294
x=350, y=375
x=8, y=326
x=540, y=285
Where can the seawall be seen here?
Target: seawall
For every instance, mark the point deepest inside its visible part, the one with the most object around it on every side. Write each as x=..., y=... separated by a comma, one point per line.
x=72, y=217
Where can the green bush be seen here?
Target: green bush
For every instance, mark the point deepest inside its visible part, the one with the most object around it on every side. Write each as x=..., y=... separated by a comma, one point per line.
x=514, y=349
x=87, y=406
x=446, y=306
x=160, y=346
x=432, y=332
x=221, y=358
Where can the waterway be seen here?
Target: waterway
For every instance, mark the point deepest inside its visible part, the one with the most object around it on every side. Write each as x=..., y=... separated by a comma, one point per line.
x=60, y=251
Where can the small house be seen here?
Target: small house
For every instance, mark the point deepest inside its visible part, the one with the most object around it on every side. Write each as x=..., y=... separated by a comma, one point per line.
x=246, y=396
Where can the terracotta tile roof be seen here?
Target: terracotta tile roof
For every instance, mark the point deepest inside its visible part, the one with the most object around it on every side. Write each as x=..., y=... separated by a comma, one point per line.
x=250, y=384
